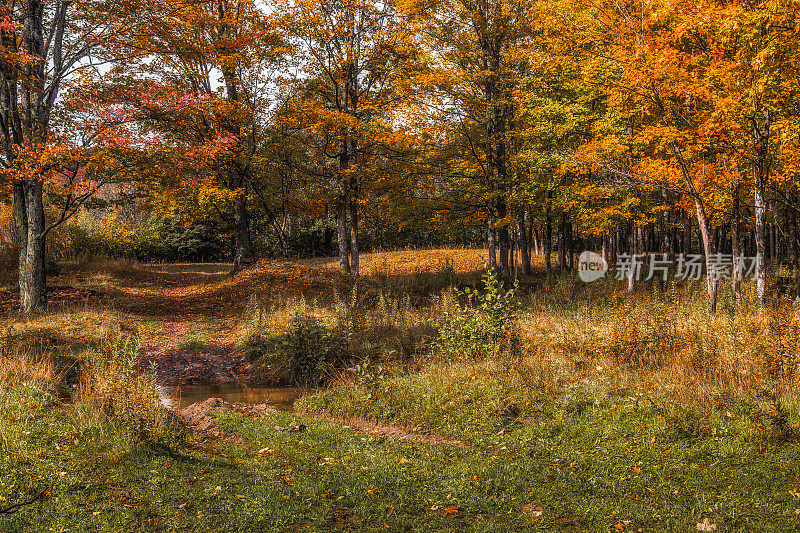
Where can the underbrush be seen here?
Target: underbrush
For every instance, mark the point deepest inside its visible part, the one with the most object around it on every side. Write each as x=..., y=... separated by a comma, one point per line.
x=73, y=410
x=89, y=372
x=495, y=354
x=310, y=344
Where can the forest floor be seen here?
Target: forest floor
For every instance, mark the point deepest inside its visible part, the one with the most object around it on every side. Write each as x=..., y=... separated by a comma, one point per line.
x=589, y=429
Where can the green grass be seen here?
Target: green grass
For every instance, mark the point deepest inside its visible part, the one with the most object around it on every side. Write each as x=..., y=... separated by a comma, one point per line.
x=615, y=463
x=195, y=344
x=616, y=460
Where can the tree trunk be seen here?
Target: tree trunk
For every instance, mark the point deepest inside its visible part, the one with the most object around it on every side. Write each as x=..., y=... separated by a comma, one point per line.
x=32, y=281
x=341, y=226
x=343, y=201
x=570, y=247
x=705, y=234
x=513, y=247
x=503, y=235
x=633, y=242
x=615, y=240
x=490, y=237
x=771, y=241
x=687, y=235
x=354, y=253
x=244, y=247
x=548, y=234
x=791, y=233
x=708, y=249
x=20, y=225
x=524, y=245
x=761, y=245
x=736, y=283
x=561, y=238
x=673, y=235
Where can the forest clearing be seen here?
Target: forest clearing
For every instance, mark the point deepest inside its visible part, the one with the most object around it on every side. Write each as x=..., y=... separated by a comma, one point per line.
x=609, y=412
x=404, y=265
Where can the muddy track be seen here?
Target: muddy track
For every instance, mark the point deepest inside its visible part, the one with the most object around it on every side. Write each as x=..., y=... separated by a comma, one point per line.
x=215, y=360
x=198, y=418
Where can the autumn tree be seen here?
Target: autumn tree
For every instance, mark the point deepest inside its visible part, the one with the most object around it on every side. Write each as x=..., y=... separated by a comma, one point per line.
x=202, y=85
x=654, y=62
x=352, y=56
x=756, y=101
x=44, y=46
x=555, y=115
x=478, y=53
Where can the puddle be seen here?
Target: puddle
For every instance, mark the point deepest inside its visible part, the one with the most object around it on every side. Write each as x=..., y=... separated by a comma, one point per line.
x=282, y=398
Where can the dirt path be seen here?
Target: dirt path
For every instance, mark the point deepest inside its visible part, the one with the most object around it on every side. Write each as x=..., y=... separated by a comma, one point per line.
x=182, y=357
x=194, y=343
x=361, y=425
x=198, y=417
x=196, y=346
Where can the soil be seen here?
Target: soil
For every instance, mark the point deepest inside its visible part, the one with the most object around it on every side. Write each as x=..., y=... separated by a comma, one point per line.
x=198, y=417
x=361, y=425
x=195, y=344
x=215, y=362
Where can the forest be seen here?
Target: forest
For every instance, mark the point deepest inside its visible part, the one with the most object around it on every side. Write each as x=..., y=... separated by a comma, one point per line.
x=416, y=265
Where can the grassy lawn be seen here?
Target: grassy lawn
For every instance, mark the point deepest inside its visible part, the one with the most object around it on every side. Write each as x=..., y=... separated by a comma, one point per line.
x=609, y=466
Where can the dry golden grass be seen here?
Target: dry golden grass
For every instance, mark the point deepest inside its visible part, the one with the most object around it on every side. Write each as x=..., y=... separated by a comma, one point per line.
x=21, y=366
x=113, y=387
x=405, y=262
x=659, y=341
x=672, y=349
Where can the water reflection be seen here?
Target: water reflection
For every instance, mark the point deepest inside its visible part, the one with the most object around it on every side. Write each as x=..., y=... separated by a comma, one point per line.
x=282, y=398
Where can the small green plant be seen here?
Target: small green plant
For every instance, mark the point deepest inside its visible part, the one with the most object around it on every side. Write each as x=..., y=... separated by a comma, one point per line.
x=478, y=328
x=195, y=343
x=368, y=375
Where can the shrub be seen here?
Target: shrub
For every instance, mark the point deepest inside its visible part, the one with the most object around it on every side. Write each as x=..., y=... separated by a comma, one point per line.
x=309, y=353
x=111, y=384
x=480, y=327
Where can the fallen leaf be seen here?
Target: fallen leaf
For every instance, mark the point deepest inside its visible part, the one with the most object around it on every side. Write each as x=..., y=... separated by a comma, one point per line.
x=706, y=525
x=453, y=510
x=533, y=509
